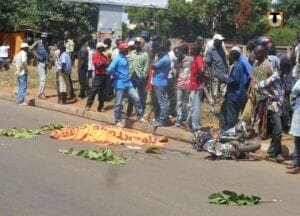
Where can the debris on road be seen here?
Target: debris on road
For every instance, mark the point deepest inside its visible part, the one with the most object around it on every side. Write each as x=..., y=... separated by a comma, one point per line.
x=20, y=133
x=133, y=147
x=153, y=150
x=107, y=155
x=51, y=127
x=231, y=198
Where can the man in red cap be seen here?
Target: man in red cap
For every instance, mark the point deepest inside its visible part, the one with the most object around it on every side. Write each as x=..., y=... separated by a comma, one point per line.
x=119, y=69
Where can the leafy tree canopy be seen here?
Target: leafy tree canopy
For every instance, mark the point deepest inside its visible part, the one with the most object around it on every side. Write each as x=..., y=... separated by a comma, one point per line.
x=54, y=16
x=237, y=20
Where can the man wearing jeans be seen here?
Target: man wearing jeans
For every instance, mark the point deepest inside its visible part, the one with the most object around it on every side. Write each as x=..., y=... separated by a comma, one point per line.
x=197, y=82
x=119, y=69
x=138, y=69
x=20, y=62
x=160, y=83
x=42, y=52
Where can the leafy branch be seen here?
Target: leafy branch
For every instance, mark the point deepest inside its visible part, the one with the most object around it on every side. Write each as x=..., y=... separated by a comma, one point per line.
x=20, y=133
x=107, y=155
x=231, y=198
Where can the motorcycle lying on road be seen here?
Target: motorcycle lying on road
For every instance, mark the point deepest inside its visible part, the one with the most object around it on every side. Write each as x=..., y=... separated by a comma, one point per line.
x=236, y=144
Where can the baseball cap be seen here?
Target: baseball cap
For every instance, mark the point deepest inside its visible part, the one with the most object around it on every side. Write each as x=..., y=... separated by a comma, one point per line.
x=123, y=46
x=145, y=34
x=24, y=45
x=218, y=37
x=44, y=35
x=100, y=44
x=236, y=48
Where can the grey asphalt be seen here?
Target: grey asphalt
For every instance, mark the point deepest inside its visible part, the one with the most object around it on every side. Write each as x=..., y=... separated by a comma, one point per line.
x=37, y=180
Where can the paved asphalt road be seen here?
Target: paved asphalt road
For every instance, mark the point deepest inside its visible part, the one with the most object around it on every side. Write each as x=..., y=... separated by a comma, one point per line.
x=36, y=180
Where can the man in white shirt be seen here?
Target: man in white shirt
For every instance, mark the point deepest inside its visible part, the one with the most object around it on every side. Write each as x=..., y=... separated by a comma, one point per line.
x=4, y=55
x=21, y=64
x=4, y=50
x=171, y=90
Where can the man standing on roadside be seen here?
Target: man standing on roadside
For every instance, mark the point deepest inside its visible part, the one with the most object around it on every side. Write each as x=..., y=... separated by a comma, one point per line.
x=41, y=52
x=119, y=69
x=70, y=46
x=69, y=43
x=100, y=62
x=20, y=62
x=171, y=90
x=235, y=96
x=138, y=72
x=64, y=69
x=4, y=50
x=83, y=58
x=160, y=84
x=215, y=60
x=4, y=61
x=197, y=84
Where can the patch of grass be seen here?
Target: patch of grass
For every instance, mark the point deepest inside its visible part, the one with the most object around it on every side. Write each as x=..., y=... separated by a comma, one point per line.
x=9, y=79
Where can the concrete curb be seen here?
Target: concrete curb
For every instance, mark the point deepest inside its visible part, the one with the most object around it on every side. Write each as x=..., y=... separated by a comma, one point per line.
x=172, y=133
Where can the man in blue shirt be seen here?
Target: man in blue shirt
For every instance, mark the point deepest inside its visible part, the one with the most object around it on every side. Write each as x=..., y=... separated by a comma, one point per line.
x=42, y=53
x=64, y=69
x=236, y=93
x=119, y=69
x=160, y=82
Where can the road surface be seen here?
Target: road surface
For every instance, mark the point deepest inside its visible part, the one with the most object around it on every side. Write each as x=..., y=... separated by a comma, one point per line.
x=36, y=180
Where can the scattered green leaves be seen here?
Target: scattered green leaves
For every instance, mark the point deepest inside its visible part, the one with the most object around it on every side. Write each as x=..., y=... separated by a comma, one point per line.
x=153, y=150
x=232, y=198
x=107, y=155
x=20, y=133
x=51, y=127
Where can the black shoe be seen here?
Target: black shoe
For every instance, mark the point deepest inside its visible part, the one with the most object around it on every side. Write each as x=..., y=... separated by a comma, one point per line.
x=279, y=158
x=99, y=109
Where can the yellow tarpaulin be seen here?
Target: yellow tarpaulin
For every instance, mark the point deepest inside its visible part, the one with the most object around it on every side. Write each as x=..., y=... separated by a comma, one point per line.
x=108, y=135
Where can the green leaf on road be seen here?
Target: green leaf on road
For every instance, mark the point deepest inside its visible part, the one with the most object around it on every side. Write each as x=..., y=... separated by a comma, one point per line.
x=51, y=127
x=232, y=198
x=20, y=133
x=106, y=155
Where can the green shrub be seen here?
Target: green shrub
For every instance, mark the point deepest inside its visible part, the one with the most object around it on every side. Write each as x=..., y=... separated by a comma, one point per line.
x=283, y=36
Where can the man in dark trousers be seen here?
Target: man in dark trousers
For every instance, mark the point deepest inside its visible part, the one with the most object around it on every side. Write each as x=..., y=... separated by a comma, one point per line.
x=100, y=62
x=235, y=96
x=83, y=56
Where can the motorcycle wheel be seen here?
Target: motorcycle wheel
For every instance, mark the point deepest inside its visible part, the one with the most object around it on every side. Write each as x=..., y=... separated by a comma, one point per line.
x=251, y=147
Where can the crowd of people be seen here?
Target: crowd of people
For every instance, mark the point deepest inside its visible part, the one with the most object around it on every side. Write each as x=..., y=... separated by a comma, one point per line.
x=151, y=75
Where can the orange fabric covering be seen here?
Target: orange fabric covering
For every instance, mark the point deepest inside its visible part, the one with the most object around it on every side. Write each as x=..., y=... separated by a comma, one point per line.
x=107, y=135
